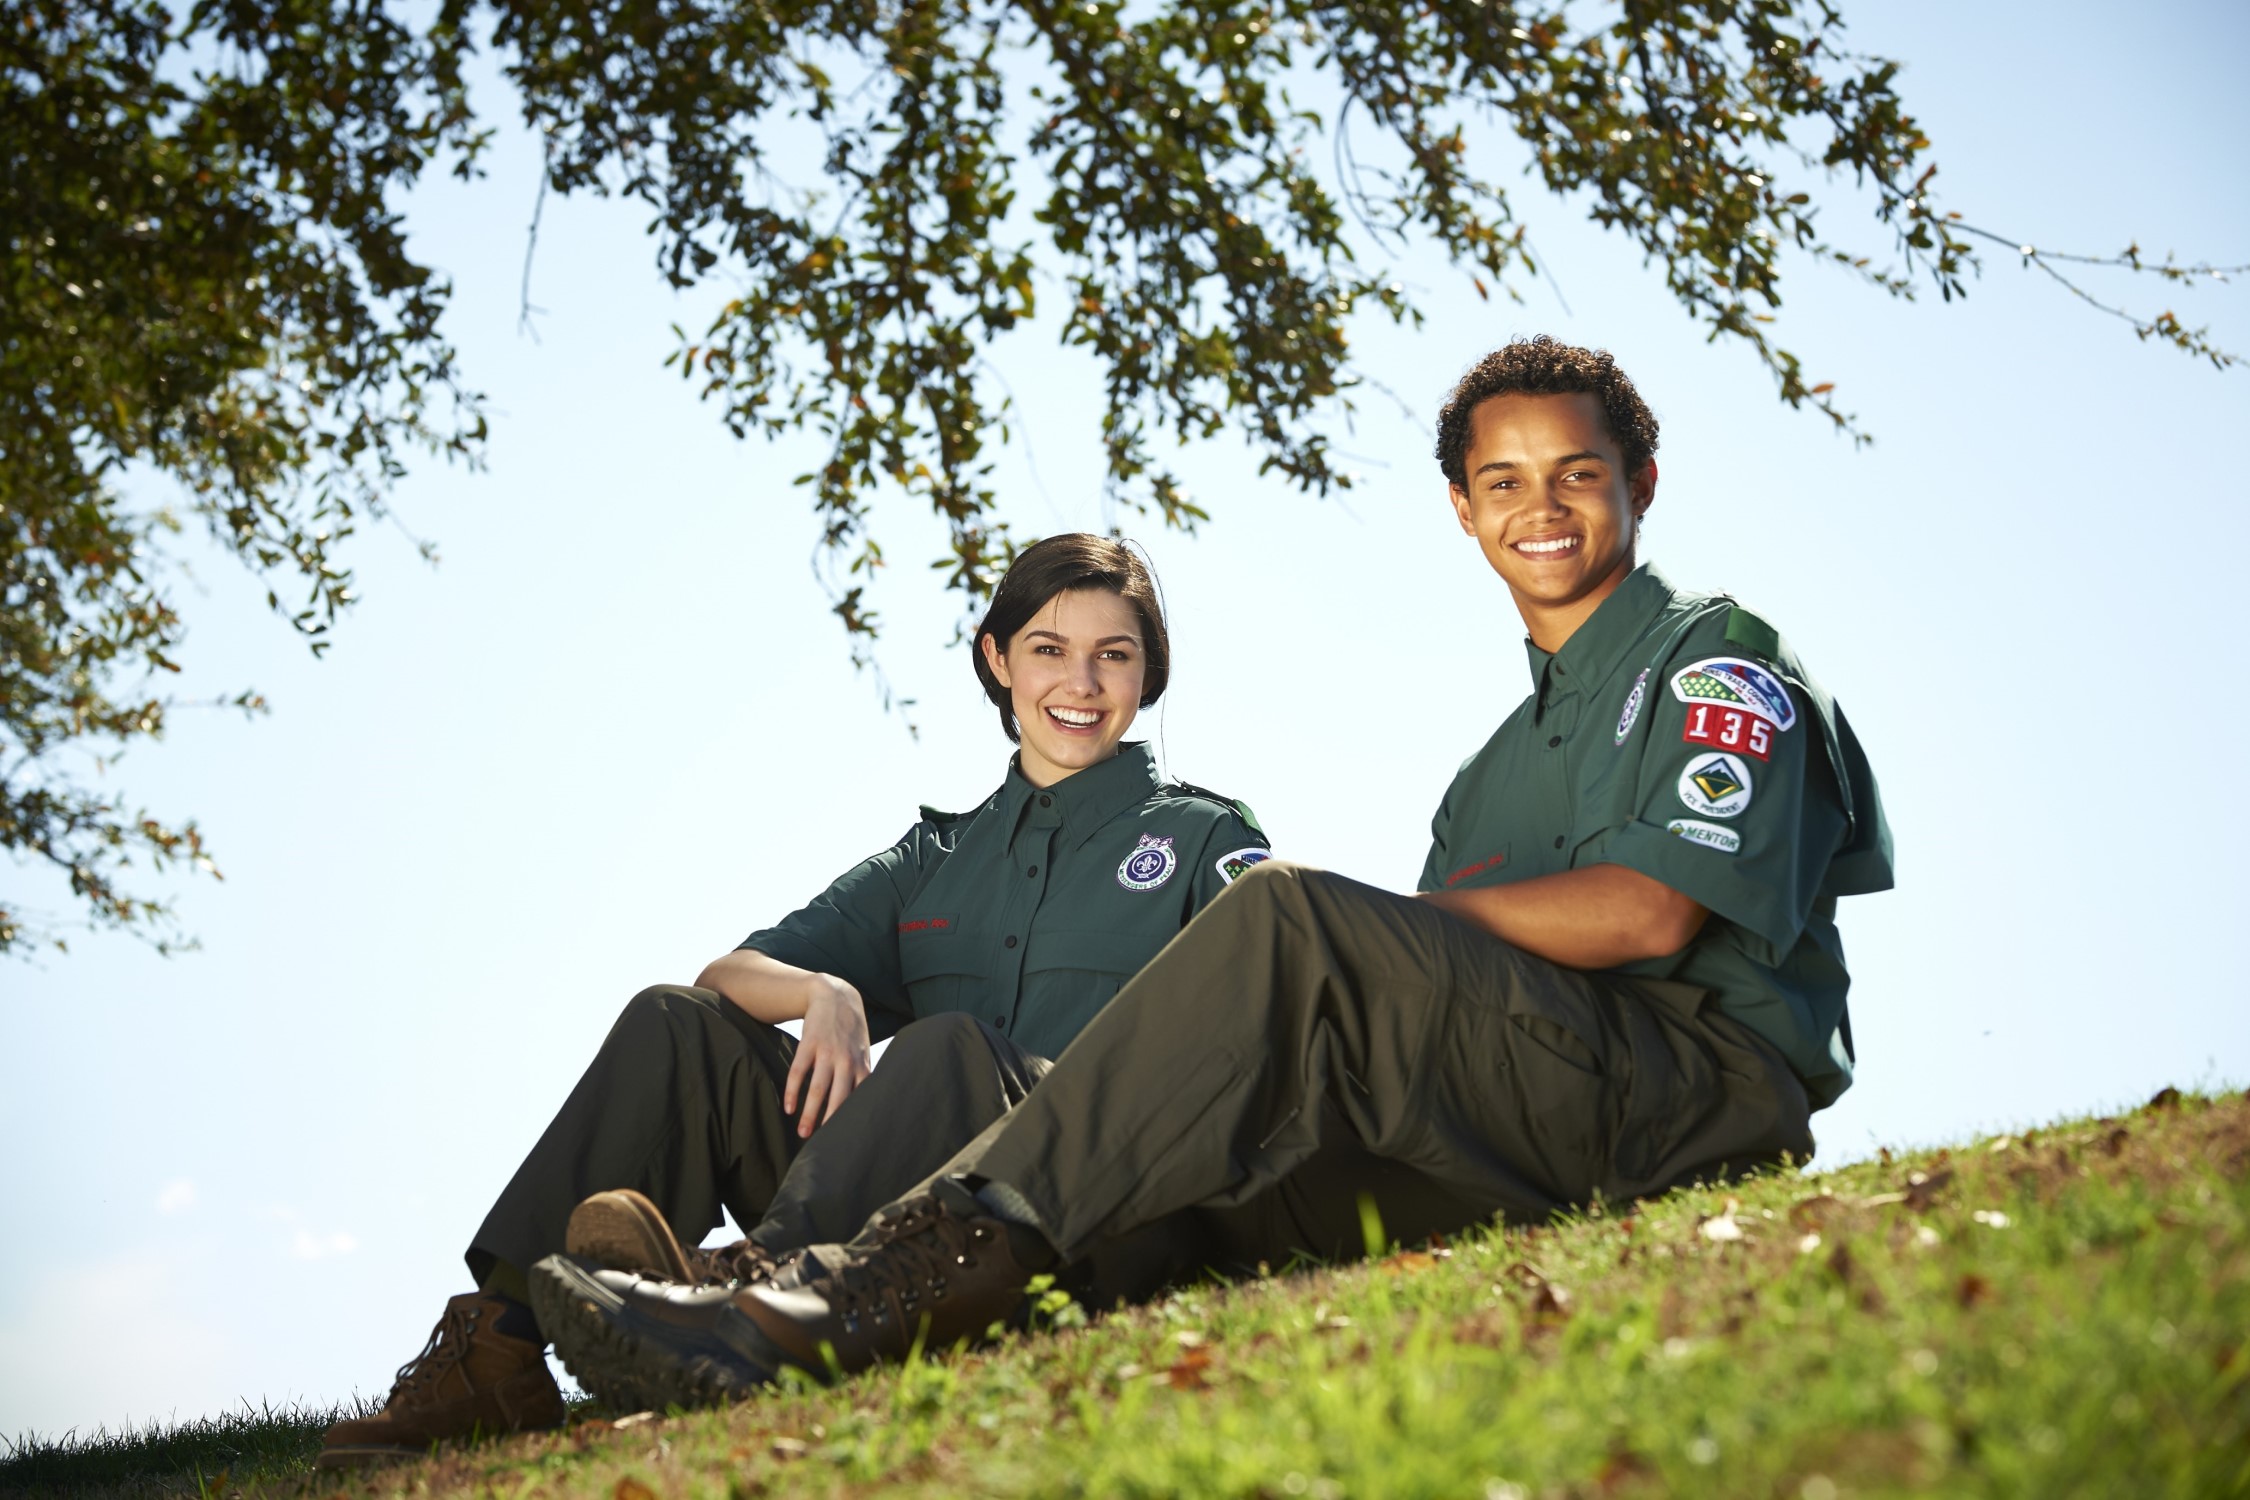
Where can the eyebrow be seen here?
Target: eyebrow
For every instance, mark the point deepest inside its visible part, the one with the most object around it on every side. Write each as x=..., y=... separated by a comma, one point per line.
x=1064, y=640
x=1567, y=458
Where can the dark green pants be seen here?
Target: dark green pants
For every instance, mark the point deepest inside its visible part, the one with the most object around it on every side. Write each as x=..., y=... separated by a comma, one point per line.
x=683, y=1102
x=1307, y=1040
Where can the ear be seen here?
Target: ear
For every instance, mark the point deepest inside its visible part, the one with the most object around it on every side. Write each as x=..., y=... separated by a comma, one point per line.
x=1461, y=509
x=993, y=659
x=1643, y=489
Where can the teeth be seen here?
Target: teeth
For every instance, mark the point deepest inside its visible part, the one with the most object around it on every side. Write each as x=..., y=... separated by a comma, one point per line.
x=1558, y=544
x=1078, y=717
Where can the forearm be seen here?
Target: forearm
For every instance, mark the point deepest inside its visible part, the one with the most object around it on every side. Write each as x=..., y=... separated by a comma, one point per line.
x=765, y=987
x=1595, y=918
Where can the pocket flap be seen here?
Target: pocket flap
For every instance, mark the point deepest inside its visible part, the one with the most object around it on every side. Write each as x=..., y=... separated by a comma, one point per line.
x=930, y=946
x=1099, y=952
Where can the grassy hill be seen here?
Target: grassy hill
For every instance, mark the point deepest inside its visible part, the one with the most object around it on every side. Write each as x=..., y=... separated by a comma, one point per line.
x=2059, y=1313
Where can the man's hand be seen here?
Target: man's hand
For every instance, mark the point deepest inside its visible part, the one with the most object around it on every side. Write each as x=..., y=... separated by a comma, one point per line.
x=1595, y=918
x=831, y=1057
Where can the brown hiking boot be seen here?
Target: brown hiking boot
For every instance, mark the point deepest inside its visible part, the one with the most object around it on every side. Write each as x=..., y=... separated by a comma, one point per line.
x=469, y=1380
x=624, y=1231
x=932, y=1270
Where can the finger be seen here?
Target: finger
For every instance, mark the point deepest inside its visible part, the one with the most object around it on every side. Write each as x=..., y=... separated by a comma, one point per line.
x=842, y=1090
x=799, y=1065
x=816, y=1094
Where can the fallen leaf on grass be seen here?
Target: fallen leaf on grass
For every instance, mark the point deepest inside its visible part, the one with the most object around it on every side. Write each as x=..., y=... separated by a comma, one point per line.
x=1972, y=1290
x=1187, y=1375
x=636, y=1419
x=1814, y=1212
x=787, y=1449
x=1406, y=1261
x=632, y=1489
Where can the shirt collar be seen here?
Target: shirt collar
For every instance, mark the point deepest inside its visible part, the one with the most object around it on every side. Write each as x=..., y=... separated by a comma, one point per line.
x=1594, y=650
x=1088, y=799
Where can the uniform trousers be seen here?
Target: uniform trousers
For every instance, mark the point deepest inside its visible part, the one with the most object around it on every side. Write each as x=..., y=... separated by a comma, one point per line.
x=683, y=1102
x=1308, y=1043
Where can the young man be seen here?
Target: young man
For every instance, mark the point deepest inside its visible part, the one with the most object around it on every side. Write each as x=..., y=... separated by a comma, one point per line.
x=1621, y=973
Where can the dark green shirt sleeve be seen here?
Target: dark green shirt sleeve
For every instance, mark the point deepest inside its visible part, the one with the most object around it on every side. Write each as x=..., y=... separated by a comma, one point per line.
x=850, y=930
x=1743, y=820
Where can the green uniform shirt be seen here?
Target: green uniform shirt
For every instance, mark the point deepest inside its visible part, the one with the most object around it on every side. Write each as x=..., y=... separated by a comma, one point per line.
x=1677, y=735
x=1031, y=911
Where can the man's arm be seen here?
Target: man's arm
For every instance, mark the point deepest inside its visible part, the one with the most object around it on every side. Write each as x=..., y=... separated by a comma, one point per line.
x=1595, y=918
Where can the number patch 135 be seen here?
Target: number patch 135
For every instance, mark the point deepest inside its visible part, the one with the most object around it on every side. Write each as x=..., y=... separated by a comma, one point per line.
x=1725, y=728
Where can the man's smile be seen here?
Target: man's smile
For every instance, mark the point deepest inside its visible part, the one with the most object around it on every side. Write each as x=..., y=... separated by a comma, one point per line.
x=1548, y=546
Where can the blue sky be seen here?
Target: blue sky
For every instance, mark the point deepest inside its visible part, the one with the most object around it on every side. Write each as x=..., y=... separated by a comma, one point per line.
x=615, y=730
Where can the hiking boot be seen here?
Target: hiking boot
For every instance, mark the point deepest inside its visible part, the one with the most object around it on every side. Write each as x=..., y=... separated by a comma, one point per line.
x=624, y=1231
x=639, y=1343
x=469, y=1380
x=931, y=1271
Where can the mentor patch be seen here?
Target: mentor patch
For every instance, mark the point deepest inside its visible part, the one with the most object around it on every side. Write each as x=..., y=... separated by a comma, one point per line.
x=1717, y=786
x=1709, y=835
x=1149, y=865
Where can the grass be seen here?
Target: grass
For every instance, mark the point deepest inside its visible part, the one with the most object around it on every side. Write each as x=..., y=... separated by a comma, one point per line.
x=2060, y=1313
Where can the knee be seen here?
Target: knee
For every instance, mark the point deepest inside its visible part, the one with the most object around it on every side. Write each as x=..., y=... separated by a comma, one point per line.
x=1274, y=884
x=951, y=1033
x=665, y=1008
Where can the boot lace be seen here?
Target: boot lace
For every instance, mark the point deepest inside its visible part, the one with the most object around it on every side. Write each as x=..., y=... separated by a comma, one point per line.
x=448, y=1346
x=743, y=1261
x=921, y=1245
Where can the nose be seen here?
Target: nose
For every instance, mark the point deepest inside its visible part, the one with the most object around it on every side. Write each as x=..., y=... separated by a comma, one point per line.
x=1084, y=680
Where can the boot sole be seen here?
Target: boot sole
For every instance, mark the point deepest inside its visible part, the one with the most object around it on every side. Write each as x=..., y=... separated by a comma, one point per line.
x=621, y=1229
x=637, y=1363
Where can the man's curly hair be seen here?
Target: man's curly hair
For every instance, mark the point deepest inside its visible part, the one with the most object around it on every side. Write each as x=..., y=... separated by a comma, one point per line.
x=1545, y=366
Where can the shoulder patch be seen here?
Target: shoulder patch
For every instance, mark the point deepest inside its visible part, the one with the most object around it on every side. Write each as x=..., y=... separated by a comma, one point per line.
x=1239, y=808
x=1233, y=867
x=1752, y=634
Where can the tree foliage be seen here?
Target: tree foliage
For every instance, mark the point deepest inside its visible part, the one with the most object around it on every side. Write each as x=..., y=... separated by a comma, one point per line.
x=207, y=277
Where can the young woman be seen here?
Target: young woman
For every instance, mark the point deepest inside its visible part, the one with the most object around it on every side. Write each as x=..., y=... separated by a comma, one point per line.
x=980, y=943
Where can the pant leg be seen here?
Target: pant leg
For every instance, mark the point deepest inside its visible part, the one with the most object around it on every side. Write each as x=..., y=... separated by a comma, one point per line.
x=682, y=1102
x=942, y=1080
x=1303, y=1011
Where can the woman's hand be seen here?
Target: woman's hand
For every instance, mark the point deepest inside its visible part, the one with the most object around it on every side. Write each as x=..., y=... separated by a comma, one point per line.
x=831, y=1057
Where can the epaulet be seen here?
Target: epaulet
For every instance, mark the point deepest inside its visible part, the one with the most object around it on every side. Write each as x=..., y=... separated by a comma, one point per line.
x=1240, y=808
x=932, y=815
x=1752, y=634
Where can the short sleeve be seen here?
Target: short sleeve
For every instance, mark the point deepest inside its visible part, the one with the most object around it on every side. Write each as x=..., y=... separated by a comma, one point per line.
x=1438, y=861
x=850, y=930
x=1735, y=804
x=1231, y=848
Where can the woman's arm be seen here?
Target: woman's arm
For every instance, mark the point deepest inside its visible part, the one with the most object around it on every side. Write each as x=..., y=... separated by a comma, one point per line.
x=831, y=1058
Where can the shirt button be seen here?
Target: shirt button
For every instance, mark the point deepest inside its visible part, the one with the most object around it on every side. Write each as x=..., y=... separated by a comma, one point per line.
x=1558, y=845
x=1553, y=740
x=1011, y=941
x=1000, y=1023
x=1046, y=802
x=1033, y=871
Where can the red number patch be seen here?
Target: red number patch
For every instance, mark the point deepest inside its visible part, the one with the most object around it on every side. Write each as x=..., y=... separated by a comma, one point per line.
x=1724, y=728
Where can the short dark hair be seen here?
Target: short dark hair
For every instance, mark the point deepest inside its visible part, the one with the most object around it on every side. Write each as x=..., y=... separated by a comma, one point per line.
x=1545, y=366
x=1056, y=565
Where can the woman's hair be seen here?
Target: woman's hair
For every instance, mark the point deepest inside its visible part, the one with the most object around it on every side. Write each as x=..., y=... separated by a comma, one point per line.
x=1056, y=565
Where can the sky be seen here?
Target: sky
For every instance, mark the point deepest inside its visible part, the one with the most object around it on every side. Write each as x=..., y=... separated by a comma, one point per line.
x=615, y=730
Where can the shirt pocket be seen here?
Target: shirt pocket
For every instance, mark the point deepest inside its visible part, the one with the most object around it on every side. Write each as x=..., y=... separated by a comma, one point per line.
x=1070, y=975
x=937, y=965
